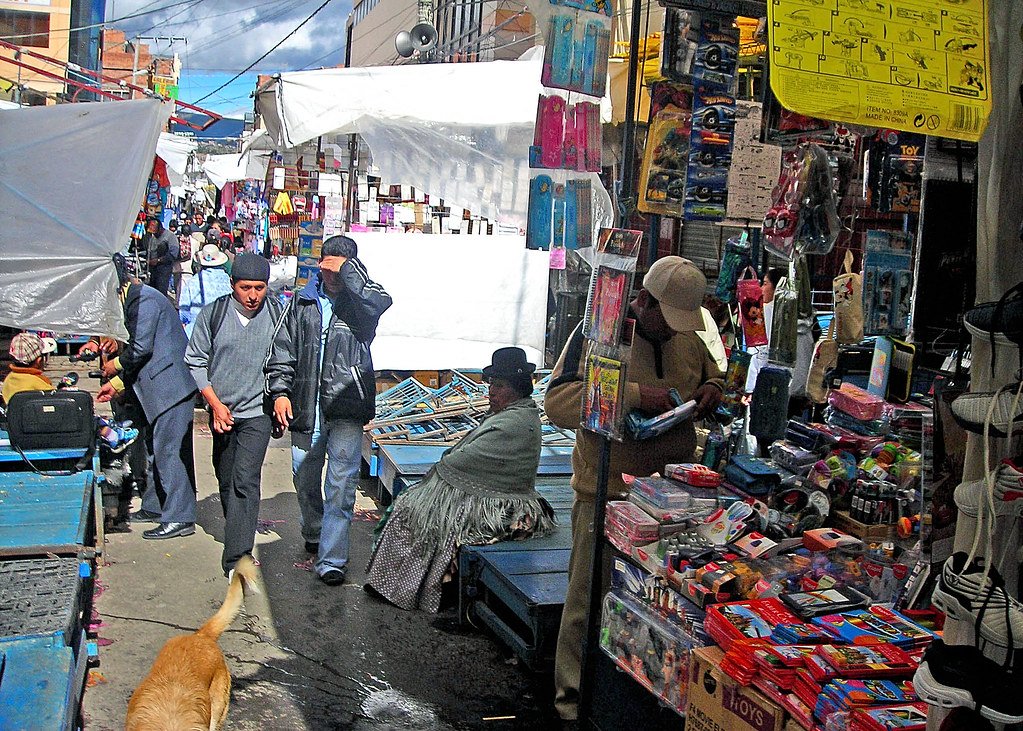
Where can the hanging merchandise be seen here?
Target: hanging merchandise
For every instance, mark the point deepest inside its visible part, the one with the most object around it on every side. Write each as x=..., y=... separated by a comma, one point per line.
x=769, y=406
x=825, y=358
x=887, y=283
x=848, y=294
x=784, y=321
x=804, y=215
x=735, y=382
x=541, y=211
x=282, y=204
x=576, y=52
x=566, y=135
x=662, y=183
x=751, y=309
x=894, y=174
x=912, y=67
x=735, y=260
x=755, y=167
x=679, y=40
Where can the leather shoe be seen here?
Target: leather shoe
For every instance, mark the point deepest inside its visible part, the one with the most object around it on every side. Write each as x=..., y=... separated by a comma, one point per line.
x=311, y=547
x=333, y=577
x=170, y=530
x=144, y=516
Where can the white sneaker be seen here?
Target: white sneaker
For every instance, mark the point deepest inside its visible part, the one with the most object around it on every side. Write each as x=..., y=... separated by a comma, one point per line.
x=970, y=496
x=961, y=594
x=971, y=409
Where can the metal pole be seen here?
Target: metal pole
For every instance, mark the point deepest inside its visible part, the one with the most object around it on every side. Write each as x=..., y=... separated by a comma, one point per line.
x=17, y=89
x=134, y=64
x=626, y=203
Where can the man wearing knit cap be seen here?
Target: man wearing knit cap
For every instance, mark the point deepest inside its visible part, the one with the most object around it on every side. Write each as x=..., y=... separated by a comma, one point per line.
x=225, y=354
x=667, y=352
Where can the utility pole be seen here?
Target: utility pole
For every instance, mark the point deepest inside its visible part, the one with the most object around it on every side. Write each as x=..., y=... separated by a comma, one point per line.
x=135, y=47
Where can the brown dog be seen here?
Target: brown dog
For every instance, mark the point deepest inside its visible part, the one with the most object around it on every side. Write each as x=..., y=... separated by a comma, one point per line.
x=189, y=685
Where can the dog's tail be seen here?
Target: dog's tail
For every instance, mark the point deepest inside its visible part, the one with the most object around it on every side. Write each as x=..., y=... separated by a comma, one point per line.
x=244, y=576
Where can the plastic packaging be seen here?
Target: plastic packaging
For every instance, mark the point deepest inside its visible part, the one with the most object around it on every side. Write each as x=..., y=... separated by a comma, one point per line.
x=663, y=493
x=629, y=520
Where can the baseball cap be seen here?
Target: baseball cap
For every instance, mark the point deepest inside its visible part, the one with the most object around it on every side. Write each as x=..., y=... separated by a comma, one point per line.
x=26, y=347
x=49, y=345
x=679, y=287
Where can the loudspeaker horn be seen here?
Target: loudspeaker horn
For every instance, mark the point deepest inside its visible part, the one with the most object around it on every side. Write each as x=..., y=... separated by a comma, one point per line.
x=403, y=44
x=424, y=37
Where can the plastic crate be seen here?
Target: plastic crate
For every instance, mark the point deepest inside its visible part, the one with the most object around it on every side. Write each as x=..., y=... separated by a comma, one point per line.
x=41, y=597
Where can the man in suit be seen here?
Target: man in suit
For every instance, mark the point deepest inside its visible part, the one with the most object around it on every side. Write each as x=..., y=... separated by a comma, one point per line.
x=152, y=364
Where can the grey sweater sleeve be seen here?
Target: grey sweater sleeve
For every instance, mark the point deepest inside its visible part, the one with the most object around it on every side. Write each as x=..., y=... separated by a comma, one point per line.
x=200, y=349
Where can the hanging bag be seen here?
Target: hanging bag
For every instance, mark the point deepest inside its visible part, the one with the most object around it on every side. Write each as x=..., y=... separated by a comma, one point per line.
x=848, y=291
x=751, y=309
x=736, y=258
x=825, y=358
x=785, y=321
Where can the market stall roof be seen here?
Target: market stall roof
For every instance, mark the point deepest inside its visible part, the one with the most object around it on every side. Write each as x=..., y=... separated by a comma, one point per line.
x=221, y=169
x=174, y=150
x=72, y=177
x=458, y=131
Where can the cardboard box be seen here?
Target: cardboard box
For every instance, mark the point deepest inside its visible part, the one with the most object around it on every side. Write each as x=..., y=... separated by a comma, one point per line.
x=430, y=379
x=719, y=703
x=866, y=533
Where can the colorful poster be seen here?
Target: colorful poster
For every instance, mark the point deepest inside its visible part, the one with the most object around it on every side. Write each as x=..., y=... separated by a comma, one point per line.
x=608, y=305
x=619, y=241
x=603, y=396
x=910, y=65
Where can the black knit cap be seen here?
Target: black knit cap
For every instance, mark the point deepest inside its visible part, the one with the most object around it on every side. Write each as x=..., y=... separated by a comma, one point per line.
x=250, y=268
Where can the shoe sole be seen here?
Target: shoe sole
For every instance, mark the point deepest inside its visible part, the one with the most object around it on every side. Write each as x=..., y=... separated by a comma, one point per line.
x=950, y=605
x=1000, y=338
x=944, y=696
x=1002, y=509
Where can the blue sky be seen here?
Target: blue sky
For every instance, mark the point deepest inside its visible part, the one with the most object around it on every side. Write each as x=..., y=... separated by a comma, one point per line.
x=225, y=36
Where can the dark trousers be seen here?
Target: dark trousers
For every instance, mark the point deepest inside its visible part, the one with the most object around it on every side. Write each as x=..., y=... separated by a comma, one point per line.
x=160, y=278
x=237, y=461
x=171, y=491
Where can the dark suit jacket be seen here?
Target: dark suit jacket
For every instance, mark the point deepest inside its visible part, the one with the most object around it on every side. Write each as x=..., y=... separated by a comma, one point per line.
x=153, y=363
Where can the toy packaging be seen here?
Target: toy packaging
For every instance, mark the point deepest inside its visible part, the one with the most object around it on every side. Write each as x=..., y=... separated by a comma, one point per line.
x=604, y=396
x=875, y=626
x=576, y=52
x=906, y=717
x=665, y=160
x=726, y=623
x=887, y=283
x=877, y=661
x=643, y=644
x=695, y=475
x=664, y=493
x=710, y=148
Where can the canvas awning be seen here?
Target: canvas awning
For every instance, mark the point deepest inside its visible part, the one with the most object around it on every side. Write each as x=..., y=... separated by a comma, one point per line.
x=72, y=178
x=460, y=132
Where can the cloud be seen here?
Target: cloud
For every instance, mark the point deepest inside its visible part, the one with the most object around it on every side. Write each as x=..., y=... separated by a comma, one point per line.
x=228, y=35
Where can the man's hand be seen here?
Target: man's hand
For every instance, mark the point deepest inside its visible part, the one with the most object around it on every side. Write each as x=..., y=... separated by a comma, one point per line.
x=654, y=400
x=107, y=345
x=282, y=411
x=90, y=347
x=707, y=398
x=223, y=420
x=109, y=369
x=332, y=263
x=106, y=393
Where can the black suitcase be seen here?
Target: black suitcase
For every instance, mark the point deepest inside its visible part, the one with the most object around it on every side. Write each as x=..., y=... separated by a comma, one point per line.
x=51, y=420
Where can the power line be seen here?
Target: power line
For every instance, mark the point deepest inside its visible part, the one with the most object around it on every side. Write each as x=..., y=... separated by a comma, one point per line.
x=234, y=30
x=275, y=47
x=137, y=14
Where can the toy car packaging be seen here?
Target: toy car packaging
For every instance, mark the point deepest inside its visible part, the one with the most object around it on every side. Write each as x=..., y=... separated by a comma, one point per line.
x=665, y=160
x=693, y=474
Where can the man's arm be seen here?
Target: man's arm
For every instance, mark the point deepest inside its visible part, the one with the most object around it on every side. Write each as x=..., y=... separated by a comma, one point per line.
x=173, y=248
x=197, y=358
x=141, y=320
x=367, y=298
x=282, y=358
x=564, y=398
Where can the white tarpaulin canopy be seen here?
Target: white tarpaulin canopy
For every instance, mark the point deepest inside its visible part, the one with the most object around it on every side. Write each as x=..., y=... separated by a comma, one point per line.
x=453, y=304
x=459, y=131
x=72, y=178
x=221, y=169
x=174, y=150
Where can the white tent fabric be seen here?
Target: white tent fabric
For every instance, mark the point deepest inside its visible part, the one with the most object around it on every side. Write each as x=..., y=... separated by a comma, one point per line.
x=460, y=132
x=174, y=150
x=455, y=301
x=221, y=169
x=72, y=178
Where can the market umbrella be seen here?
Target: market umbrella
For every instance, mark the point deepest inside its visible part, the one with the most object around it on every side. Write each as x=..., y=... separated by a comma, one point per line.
x=72, y=178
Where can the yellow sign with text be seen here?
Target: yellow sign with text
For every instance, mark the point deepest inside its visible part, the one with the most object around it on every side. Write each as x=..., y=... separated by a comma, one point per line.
x=911, y=65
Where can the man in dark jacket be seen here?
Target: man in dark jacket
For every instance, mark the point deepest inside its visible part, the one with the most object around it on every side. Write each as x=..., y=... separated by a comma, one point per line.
x=152, y=364
x=163, y=249
x=320, y=374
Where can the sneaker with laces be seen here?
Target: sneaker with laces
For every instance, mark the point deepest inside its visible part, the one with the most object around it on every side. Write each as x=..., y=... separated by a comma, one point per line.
x=970, y=412
x=963, y=593
x=952, y=676
x=970, y=496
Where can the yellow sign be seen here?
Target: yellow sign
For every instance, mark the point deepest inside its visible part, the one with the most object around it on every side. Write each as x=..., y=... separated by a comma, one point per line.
x=918, y=66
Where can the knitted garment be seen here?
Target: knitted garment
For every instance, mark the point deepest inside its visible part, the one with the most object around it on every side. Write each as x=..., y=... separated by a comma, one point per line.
x=481, y=491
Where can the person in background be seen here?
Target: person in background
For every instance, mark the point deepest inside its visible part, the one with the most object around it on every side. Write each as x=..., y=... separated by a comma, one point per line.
x=320, y=374
x=226, y=244
x=759, y=353
x=152, y=364
x=667, y=352
x=27, y=372
x=210, y=283
x=225, y=357
x=211, y=221
x=183, y=264
x=162, y=250
x=481, y=491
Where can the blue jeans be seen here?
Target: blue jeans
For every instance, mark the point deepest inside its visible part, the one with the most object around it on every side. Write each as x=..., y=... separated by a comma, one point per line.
x=326, y=506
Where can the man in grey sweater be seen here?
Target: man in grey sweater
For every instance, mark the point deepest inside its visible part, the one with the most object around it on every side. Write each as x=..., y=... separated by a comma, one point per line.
x=225, y=355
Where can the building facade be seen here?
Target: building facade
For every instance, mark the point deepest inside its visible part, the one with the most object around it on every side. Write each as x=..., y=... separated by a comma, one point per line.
x=121, y=59
x=42, y=26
